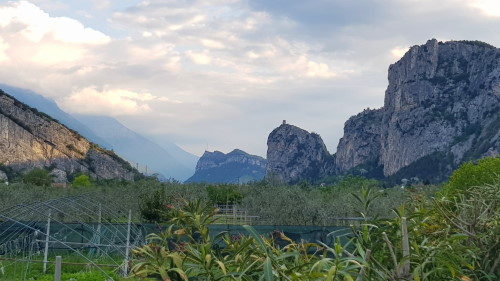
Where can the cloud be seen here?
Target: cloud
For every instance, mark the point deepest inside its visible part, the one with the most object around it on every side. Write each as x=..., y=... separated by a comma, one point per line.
x=199, y=57
x=398, y=52
x=207, y=67
x=488, y=7
x=4, y=46
x=35, y=25
x=114, y=102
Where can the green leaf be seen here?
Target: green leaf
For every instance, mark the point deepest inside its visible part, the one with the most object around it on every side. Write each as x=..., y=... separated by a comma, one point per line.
x=268, y=270
x=256, y=236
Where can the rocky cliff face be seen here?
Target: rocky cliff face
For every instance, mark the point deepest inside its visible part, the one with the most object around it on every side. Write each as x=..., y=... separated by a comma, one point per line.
x=294, y=154
x=235, y=167
x=361, y=141
x=31, y=139
x=442, y=107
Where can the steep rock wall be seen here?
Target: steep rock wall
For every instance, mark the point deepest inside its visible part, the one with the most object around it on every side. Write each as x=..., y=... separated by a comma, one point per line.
x=31, y=139
x=294, y=154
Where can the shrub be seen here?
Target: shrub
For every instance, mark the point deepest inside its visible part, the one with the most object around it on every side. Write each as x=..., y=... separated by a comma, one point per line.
x=152, y=205
x=486, y=171
x=82, y=181
x=224, y=194
x=38, y=176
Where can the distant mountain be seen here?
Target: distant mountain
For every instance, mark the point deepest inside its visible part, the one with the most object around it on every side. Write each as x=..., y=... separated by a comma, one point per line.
x=235, y=167
x=136, y=148
x=168, y=160
x=30, y=139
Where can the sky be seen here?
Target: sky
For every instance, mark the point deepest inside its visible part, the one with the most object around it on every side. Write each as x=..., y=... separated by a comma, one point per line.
x=222, y=74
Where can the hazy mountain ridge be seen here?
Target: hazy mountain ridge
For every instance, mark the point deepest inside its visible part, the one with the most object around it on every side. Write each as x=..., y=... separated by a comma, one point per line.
x=168, y=160
x=441, y=108
x=29, y=139
x=136, y=148
x=236, y=166
x=50, y=107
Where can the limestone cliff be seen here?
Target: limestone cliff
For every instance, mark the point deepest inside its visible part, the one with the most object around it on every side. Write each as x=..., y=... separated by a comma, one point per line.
x=293, y=154
x=441, y=108
x=29, y=139
x=235, y=167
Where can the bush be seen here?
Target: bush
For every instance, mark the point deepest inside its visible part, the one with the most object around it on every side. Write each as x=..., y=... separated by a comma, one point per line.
x=486, y=171
x=82, y=181
x=152, y=205
x=224, y=194
x=38, y=176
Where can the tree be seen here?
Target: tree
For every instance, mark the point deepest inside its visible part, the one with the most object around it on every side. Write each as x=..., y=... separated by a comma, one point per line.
x=223, y=194
x=38, y=176
x=486, y=171
x=82, y=181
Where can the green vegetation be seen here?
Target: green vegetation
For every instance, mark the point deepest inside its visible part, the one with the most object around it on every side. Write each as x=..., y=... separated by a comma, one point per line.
x=415, y=233
x=469, y=175
x=74, y=268
x=478, y=43
x=152, y=205
x=434, y=166
x=223, y=194
x=39, y=177
x=81, y=181
x=451, y=238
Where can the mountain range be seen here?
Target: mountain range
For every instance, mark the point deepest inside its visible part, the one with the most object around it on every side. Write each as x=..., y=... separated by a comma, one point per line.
x=441, y=108
x=168, y=160
x=31, y=139
x=236, y=166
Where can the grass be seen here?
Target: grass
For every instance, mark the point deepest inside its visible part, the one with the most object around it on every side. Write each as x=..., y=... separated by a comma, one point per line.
x=74, y=268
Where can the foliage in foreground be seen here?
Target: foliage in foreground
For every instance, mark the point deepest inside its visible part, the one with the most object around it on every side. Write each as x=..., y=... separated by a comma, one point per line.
x=446, y=238
x=485, y=171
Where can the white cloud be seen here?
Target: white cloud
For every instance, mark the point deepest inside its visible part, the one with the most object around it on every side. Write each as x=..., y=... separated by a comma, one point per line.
x=398, y=52
x=192, y=64
x=91, y=100
x=212, y=44
x=303, y=67
x=35, y=25
x=199, y=57
x=488, y=7
x=3, y=47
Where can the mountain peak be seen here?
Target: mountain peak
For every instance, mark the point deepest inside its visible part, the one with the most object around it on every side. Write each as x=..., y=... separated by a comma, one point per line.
x=236, y=166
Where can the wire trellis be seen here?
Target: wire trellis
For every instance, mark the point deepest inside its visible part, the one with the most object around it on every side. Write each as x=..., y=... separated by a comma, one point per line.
x=75, y=226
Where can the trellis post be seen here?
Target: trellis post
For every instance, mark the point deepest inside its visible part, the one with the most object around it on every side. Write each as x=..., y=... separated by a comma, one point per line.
x=57, y=271
x=127, y=249
x=46, y=253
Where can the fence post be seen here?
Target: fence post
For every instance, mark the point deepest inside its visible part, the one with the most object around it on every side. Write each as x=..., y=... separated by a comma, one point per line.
x=127, y=249
x=57, y=271
x=405, y=273
x=46, y=253
x=98, y=240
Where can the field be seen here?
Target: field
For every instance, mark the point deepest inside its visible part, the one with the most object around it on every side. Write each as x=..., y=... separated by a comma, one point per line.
x=419, y=232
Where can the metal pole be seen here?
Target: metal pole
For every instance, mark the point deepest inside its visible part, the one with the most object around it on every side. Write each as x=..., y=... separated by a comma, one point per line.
x=127, y=249
x=46, y=253
x=57, y=272
x=98, y=240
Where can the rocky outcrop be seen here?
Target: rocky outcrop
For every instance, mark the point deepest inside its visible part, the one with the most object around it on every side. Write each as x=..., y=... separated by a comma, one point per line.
x=442, y=99
x=235, y=167
x=29, y=139
x=361, y=141
x=293, y=154
x=59, y=176
x=441, y=108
